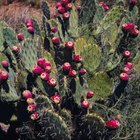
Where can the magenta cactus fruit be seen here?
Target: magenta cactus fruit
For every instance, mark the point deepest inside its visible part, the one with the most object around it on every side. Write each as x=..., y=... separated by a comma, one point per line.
x=48, y=69
x=128, y=26
x=133, y=2
x=66, y=15
x=82, y=71
x=126, y=53
x=58, y=4
x=134, y=32
x=124, y=76
x=89, y=94
x=104, y=6
x=72, y=73
x=64, y=2
x=61, y=9
x=34, y=116
x=77, y=58
x=44, y=76
x=5, y=63
x=37, y=70
x=56, y=99
x=85, y=104
x=114, y=124
x=41, y=62
x=3, y=75
x=30, y=30
x=66, y=66
x=55, y=40
x=69, y=44
x=126, y=70
x=129, y=65
x=27, y=94
x=68, y=6
x=31, y=107
x=16, y=49
x=20, y=36
x=54, y=29
x=52, y=82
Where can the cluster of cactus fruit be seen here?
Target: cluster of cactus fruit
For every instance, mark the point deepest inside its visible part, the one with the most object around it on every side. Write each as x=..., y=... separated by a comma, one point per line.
x=48, y=88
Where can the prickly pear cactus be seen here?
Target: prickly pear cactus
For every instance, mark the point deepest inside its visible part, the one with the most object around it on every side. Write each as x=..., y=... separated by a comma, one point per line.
x=74, y=78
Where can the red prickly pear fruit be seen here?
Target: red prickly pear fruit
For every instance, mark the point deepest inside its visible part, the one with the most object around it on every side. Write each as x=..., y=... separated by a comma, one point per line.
x=66, y=66
x=129, y=65
x=126, y=53
x=47, y=63
x=41, y=62
x=55, y=40
x=56, y=15
x=104, y=6
x=54, y=29
x=31, y=108
x=20, y=36
x=29, y=24
x=72, y=73
x=85, y=104
x=35, y=116
x=3, y=75
x=31, y=30
x=16, y=49
x=125, y=70
x=29, y=21
x=134, y=33
x=44, y=76
x=68, y=6
x=5, y=63
x=124, y=76
x=27, y=94
x=61, y=9
x=114, y=124
x=37, y=70
x=58, y=4
x=52, y=82
x=30, y=101
x=56, y=99
x=82, y=71
x=128, y=26
x=66, y=15
x=90, y=94
x=69, y=45
x=64, y=2
x=48, y=69
x=77, y=58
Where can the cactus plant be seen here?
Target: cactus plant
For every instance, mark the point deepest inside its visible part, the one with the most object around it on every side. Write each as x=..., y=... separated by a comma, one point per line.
x=73, y=85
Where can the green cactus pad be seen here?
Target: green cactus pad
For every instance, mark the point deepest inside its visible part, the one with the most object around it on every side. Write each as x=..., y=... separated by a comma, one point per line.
x=37, y=27
x=73, y=23
x=1, y=39
x=9, y=36
x=136, y=63
x=29, y=54
x=43, y=102
x=113, y=16
x=101, y=85
x=87, y=12
x=45, y=9
x=90, y=53
x=55, y=126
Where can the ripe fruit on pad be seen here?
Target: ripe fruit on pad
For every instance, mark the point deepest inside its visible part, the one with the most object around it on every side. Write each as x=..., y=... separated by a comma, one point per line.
x=66, y=66
x=114, y=124
x=124, y=76
x=69, y=44
x=37, y=70
x=52, y=82
x=61, y=9
x=30, y=101
x=66, y=15
x=3, y=75
x=54, y=29
x=30, y=30
x=134, y=32
x=125, y=70
x=127, y=53
x=58, y=4
x=41, y=62
x=82, y=71
x=27, y=94
x=5, y=63
x=68, y=6
x=20, y=36
x=129, y=65
x=16, y=49
x=77, y=58
x=55, y=40
x=56, y=99
x=35, y=116
x=31, y=107
x=48, y=69
x=72, y=73
x=44, y=76
x=85, y=104
x=90, y=94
